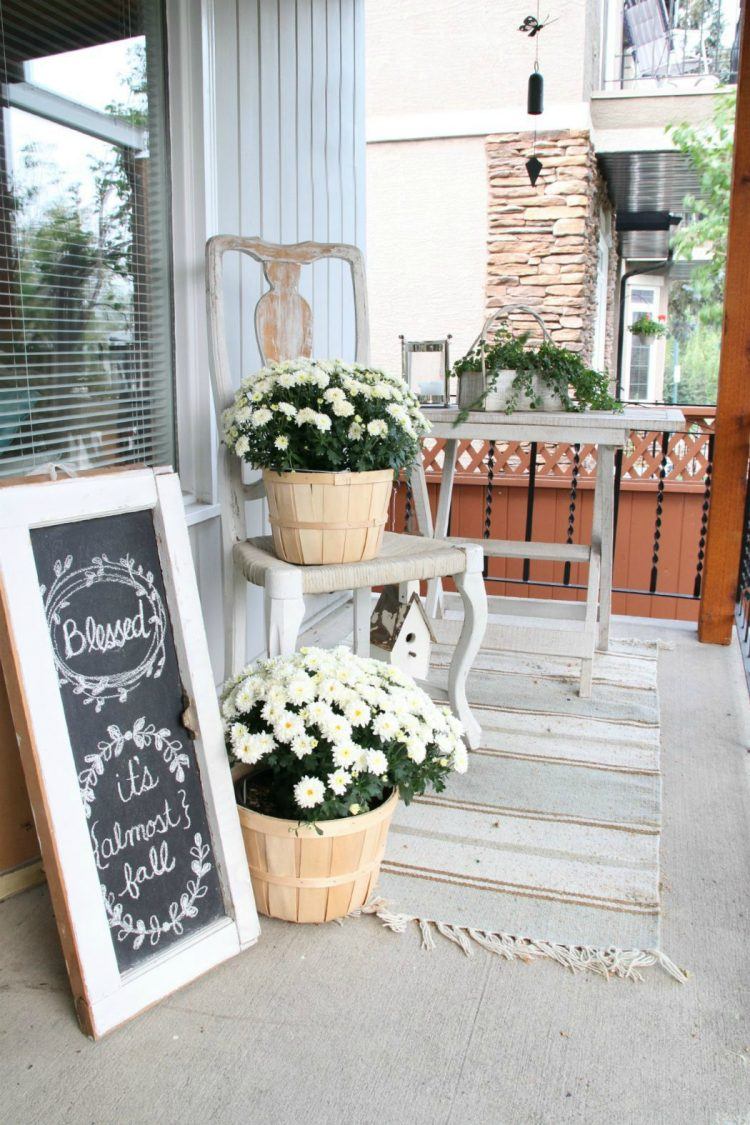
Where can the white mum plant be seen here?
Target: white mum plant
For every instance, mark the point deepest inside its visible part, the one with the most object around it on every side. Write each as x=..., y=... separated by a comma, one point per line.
x=324, y=415
x=335, y=733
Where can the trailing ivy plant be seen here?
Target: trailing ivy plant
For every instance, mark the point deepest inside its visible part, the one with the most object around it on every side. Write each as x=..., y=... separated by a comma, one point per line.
x=579, y=387
x=645, y=326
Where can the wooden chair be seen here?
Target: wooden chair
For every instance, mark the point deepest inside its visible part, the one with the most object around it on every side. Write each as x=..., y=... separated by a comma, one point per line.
x=283, y=323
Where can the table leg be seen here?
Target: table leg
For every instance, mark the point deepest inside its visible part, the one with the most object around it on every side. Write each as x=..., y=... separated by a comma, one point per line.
x=603, y=532
x=442, y=519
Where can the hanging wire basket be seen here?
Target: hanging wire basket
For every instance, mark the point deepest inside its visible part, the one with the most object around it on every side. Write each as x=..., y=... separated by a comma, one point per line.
x=492, y=390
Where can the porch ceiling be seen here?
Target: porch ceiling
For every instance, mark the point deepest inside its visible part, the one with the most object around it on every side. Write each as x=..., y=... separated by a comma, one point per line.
x=647, y=182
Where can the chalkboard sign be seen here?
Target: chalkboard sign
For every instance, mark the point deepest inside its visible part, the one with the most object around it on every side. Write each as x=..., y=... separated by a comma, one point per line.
x=112, y=647
x=105, y=606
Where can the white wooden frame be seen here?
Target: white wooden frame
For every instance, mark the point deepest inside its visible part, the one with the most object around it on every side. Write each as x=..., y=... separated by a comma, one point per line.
x=104, y=998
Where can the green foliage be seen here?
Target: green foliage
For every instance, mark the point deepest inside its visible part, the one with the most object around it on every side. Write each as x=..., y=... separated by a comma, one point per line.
x=562, y=370
x=645, y=326
x=324, y=415
x=710, y=147
x=698, y=357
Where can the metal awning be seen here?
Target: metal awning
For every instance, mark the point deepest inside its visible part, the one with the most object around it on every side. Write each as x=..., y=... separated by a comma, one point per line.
x=647, y=184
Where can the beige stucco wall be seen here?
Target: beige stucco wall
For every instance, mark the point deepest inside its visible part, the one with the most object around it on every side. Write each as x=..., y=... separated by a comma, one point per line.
x=426, y=243
x=461, y=55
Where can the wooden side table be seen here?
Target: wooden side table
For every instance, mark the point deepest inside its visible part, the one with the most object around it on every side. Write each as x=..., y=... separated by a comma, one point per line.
x=609, y=431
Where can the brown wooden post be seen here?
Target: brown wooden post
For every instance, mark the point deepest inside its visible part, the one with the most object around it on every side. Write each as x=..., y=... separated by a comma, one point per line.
x=733, y=404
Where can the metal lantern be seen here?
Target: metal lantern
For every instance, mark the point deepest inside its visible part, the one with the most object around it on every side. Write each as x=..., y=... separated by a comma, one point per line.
x=425, y=366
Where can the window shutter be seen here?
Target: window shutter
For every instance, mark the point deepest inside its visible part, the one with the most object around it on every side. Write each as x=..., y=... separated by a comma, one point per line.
x=86, y=371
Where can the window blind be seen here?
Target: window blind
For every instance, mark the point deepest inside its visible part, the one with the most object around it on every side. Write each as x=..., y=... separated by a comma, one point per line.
x=86, y=370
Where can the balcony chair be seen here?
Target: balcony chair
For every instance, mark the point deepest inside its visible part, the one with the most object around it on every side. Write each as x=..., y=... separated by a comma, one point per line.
x=283, y=325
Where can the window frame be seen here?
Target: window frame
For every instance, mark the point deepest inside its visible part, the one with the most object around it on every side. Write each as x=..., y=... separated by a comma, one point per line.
x=656, y=286
x=192, y=152
x=54, y=107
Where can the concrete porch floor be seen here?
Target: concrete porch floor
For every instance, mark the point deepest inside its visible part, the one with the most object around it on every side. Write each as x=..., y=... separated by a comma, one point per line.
x=354, y=1024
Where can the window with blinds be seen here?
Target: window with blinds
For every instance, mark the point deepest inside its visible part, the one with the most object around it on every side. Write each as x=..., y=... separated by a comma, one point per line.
x=86, y=373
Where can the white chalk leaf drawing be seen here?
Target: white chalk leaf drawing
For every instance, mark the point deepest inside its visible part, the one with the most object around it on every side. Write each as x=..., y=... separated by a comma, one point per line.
x=144, y=736
x=179, y=910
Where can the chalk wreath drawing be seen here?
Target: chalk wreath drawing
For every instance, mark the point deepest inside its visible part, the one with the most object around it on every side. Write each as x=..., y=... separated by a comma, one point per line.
x=145, y=736
x=178, y=911
x=67, y=584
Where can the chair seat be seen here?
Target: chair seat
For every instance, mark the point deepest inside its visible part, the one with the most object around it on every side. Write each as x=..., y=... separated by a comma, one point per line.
x=402, y=558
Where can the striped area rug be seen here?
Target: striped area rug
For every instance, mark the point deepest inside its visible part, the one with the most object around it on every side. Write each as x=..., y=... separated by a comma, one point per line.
x=548, y=847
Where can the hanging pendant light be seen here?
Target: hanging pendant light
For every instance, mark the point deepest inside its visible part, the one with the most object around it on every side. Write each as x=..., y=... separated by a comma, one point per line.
x=535, y=97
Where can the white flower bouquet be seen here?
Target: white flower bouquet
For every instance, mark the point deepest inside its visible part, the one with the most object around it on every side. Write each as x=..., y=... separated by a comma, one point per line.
x=324, y=415
x=335, y=733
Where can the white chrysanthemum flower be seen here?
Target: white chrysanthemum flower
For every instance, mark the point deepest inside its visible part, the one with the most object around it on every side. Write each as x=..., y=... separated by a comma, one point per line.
x=339, y=781
x=288, y=409
x=355, y=809
x=377, y=762
x=342, y=408
x=309, y=792
x=460, y=759
x=346, y=754
x=444, y=743
x=288, y=726
x=271, y=711
x=357, y=712
x=281, y=442
x=241, y=446
x=246, y=696
x=318, y=712
x=303, y=745
x=355, y=431
x=377, y=427
x=300, y=688
x=385, y=726
x=306, y=414
x=322, y=423
x=416, y=750
x=455, y=726
x=257, y=746
x=336, y=728
x=262, y=416
x=288, y=379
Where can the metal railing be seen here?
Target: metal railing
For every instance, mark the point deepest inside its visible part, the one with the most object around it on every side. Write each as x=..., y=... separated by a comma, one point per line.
x=663, y=479
x=663, y=44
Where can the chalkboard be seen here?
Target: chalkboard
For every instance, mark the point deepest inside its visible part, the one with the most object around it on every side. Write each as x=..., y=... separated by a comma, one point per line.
x=106, y=609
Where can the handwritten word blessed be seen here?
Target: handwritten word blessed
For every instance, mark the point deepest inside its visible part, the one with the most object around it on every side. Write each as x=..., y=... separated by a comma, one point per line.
x=95, y=637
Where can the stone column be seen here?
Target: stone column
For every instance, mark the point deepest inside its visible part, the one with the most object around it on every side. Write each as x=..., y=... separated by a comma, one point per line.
x=544, y=240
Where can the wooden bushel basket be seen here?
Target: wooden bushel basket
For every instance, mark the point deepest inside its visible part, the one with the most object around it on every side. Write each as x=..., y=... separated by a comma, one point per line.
x=301, y=875
x=328, y=518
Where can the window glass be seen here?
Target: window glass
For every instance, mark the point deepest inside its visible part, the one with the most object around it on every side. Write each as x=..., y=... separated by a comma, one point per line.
x=85, y=287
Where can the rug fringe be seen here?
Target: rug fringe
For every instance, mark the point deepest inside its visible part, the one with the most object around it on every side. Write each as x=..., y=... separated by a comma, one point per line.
x=612, y=962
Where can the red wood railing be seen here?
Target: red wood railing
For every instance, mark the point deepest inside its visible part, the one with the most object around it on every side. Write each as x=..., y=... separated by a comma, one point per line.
x=664, y=484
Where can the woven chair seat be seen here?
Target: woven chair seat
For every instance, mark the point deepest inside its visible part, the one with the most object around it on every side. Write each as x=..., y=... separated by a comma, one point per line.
x=402, y=558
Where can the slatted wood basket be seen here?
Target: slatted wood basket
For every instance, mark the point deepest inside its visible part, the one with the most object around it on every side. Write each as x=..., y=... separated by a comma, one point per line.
x=301, y=875
x=328, y=518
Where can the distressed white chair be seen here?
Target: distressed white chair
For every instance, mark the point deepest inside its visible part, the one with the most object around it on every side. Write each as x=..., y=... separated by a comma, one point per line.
x=283, y=324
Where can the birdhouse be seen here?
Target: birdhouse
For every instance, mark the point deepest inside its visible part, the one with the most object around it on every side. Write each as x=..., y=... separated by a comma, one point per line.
x=400, y=633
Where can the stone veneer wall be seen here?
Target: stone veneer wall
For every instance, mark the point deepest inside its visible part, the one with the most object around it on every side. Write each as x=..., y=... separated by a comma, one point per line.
x=543, y=240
